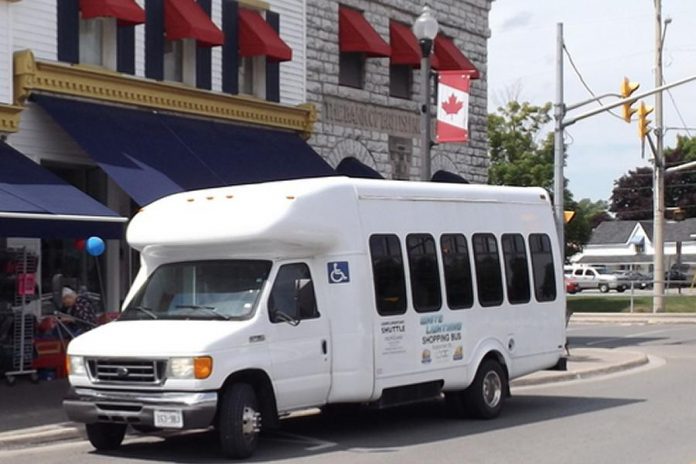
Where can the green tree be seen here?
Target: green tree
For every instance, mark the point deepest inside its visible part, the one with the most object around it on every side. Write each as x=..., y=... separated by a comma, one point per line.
x=632, y=196
x=519, y=153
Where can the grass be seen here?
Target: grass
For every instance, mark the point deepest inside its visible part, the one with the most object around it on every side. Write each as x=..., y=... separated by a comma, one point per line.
x=622, y=304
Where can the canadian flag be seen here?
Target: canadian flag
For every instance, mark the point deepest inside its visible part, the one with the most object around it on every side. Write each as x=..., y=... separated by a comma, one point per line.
x=453, y=107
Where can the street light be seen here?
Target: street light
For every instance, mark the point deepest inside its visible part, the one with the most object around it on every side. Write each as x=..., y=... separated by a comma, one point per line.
x=425, y=29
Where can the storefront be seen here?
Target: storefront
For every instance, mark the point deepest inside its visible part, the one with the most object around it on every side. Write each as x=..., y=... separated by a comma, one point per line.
x=190, y=99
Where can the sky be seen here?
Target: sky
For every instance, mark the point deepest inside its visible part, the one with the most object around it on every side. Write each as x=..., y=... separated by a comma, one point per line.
x=607, y=40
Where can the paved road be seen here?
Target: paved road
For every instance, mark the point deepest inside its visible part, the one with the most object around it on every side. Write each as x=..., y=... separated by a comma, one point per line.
x=645, y=416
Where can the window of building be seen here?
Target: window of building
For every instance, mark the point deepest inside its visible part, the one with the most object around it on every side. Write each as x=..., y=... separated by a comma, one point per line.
x=388, y=274
x=97, y=42
x=516, y=268
x=542, y=267
x=457, y=268
x=488, y=276
x=252, y=76
x=351, y=70
x=292, y=297
x=180, y=61
x=400, y=81
x=425, y=275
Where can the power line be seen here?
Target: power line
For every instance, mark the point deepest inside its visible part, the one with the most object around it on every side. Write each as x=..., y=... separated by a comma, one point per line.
x=676, y=108
x=582, y=80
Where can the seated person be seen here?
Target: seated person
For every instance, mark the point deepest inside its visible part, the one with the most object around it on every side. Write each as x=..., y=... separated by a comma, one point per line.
x=79, y=308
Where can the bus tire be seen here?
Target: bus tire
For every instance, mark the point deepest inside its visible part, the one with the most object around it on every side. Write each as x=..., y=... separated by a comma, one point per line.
x=484, y=397
x=239, y=421
x=104, y=436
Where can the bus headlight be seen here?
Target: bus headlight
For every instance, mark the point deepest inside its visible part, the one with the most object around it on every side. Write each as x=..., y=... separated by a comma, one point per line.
x=76, y=366
x=199, y=367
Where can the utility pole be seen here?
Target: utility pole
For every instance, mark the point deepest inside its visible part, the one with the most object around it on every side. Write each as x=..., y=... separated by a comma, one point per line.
x=558, y=152
x=658, y=174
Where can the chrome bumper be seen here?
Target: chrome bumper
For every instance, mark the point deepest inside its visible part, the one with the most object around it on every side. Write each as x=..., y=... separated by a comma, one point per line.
x=89, y=405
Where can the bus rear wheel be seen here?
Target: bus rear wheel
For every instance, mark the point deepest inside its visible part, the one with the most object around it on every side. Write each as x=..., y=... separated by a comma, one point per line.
x=485, y=396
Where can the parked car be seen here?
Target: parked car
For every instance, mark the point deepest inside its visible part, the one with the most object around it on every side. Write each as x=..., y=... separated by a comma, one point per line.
x=589, y=277
x=571, y=286
x=638, y=279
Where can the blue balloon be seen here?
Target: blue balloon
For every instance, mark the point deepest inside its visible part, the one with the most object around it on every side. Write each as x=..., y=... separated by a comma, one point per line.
x=95, y=246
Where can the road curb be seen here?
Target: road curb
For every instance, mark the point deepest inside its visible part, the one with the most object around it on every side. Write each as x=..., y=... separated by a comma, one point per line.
x=639, y=360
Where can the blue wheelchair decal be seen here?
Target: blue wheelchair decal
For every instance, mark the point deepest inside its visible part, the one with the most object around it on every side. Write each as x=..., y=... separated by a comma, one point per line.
x=338, y=272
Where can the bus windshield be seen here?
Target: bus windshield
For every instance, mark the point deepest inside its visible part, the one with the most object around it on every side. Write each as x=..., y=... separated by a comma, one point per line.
x=212, y=290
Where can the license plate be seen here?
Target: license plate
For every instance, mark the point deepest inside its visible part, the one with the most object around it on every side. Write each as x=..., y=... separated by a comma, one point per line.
x=169, y=419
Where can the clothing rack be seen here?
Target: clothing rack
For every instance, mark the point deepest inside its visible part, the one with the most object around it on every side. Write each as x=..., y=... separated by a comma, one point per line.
x=23, y=265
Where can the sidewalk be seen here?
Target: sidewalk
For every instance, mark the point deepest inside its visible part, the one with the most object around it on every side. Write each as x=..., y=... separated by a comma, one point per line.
x=633, y=318
x=32, y=414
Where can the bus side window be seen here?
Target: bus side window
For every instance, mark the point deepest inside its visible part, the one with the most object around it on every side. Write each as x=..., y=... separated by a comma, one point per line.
x=542, y=267
x=516, y=268
x=488, y=276
x=425, y=275
x=388, y=273
x=457, y=268
x=292, y=294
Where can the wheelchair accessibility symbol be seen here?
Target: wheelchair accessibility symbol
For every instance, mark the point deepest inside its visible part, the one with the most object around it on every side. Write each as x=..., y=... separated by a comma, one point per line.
x=338, y=272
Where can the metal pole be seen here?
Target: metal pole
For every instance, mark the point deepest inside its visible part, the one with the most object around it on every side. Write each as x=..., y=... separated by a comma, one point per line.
x=658, y=177
x=426, y=48
x=559, y=148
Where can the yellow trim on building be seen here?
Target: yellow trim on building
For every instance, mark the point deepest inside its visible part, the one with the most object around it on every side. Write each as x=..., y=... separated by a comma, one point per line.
x=255, y=4
x=99, y=84
x=9, y=118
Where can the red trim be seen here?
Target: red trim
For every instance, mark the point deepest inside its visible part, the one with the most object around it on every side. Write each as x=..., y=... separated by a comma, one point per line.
x=126, y=11
x=185, y=19
x=257, y=38
x=356, y=35
x=450, y=58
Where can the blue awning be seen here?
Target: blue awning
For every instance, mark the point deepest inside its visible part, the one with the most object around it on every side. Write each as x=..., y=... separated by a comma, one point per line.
x=35, y=202
x=151, y=155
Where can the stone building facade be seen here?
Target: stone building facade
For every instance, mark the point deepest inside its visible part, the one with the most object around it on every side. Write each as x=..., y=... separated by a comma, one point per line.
x=380, y=130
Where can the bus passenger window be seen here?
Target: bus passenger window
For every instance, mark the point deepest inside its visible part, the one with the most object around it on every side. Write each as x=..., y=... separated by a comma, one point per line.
x=455, y=261
x=388, y=273
x=542, y=267
x=516, y=268
x=425, y=275
x=488, y=276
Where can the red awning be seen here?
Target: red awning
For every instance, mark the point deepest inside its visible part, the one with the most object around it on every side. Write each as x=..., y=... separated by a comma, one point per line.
x=127, y=12
x=404, y=45
x=451, y=58
x=258, y=38
x=185, y=19
x=405, y=49
x=356, y=35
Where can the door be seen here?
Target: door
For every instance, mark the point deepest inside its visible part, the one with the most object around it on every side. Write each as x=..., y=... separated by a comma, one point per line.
x=298, y=340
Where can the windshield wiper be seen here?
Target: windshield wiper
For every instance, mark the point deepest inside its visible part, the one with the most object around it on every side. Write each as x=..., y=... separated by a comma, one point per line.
x=145, y=310
x=210, y=309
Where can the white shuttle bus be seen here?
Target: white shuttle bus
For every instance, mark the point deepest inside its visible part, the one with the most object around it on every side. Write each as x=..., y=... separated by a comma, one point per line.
x=255, y=301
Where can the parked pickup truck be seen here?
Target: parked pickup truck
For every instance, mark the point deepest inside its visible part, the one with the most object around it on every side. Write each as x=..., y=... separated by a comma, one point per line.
x=591, y=278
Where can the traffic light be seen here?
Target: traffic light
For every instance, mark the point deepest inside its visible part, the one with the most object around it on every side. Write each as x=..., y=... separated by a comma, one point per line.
x=627, y=89
x=643, y=121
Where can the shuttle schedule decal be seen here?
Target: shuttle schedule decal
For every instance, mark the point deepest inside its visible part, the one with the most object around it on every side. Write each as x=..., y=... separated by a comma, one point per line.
x=393, y=336
x=441, y=340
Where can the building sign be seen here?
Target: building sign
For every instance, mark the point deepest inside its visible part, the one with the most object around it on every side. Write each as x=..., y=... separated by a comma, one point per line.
x=371, y=117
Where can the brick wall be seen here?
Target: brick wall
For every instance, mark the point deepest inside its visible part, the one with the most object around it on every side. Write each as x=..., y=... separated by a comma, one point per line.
x=464, y=20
